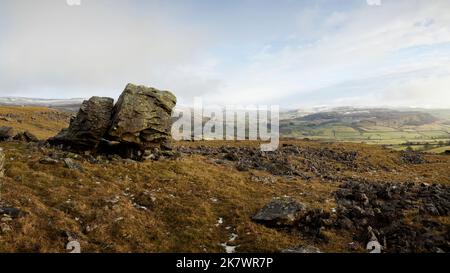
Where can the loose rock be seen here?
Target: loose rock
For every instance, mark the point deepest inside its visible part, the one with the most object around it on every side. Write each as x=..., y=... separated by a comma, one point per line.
x=26, y=137
x=48, y=161
x=71, y=164
x=11, y=212
x=279, y=212
x=6, y=133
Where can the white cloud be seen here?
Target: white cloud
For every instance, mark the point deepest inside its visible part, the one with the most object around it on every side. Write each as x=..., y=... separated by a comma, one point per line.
x=359, y=46
x=395, y=53
x=98, y=46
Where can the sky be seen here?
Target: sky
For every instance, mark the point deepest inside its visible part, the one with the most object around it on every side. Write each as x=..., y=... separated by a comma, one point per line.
x=292, y=53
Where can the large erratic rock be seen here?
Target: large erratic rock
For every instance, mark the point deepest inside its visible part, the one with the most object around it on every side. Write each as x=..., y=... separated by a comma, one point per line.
x=142, y=116
x=140, y=120
x=89, y=126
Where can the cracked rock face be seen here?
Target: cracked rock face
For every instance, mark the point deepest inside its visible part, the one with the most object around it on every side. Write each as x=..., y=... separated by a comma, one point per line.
x=140, y=120
x=142, y=116
x=89, y=126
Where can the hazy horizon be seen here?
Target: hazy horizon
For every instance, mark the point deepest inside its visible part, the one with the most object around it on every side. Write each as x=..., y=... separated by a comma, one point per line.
x=297, y=54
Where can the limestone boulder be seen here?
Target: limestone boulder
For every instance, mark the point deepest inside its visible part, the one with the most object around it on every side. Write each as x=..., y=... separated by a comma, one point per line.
x=89, y=126
x=142, y=117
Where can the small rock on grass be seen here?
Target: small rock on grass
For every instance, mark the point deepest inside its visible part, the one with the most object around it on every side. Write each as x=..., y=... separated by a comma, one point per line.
x=71, y=164
x=279, y=212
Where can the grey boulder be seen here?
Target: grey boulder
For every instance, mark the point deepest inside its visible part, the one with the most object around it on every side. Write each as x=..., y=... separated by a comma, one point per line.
x=6, y=133
x=89, y=126
x=280, y=212
x=142, y=116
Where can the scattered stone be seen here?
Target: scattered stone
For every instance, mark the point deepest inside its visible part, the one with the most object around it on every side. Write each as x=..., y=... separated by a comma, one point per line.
x=5, y=228
x=374, y=212
x=315, y=223
x=119, y=219
x=279, y=212
x=6, y=133
x=26, y=137
x=11, y=212
x=382, y=213
x=112, y=201
x=48, y=161
x=288, y=161
x=6, y=218
x=71, y=164
x=144, y=200
x=412, y=157
x=263, y=179
x=8, y=119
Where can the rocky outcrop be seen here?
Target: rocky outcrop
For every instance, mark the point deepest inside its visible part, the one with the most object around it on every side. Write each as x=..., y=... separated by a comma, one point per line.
x=140, y=120
x=404, y=216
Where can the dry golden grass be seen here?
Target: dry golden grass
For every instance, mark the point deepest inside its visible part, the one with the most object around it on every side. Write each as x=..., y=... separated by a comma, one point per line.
x=40, y=121
x=184, y=199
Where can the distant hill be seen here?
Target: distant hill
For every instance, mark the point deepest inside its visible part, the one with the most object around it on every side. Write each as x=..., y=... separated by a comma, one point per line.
x=379, y=117
x=61, y=104
x=397, y=128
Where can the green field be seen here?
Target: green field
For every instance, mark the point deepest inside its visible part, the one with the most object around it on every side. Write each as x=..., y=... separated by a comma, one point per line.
x=431, y=137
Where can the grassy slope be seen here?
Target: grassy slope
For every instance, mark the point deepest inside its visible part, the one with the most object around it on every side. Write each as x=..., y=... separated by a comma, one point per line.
x=185, y=199
x=42, y=122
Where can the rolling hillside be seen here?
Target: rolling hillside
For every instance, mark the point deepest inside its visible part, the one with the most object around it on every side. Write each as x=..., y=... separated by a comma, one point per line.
x=393, y=128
